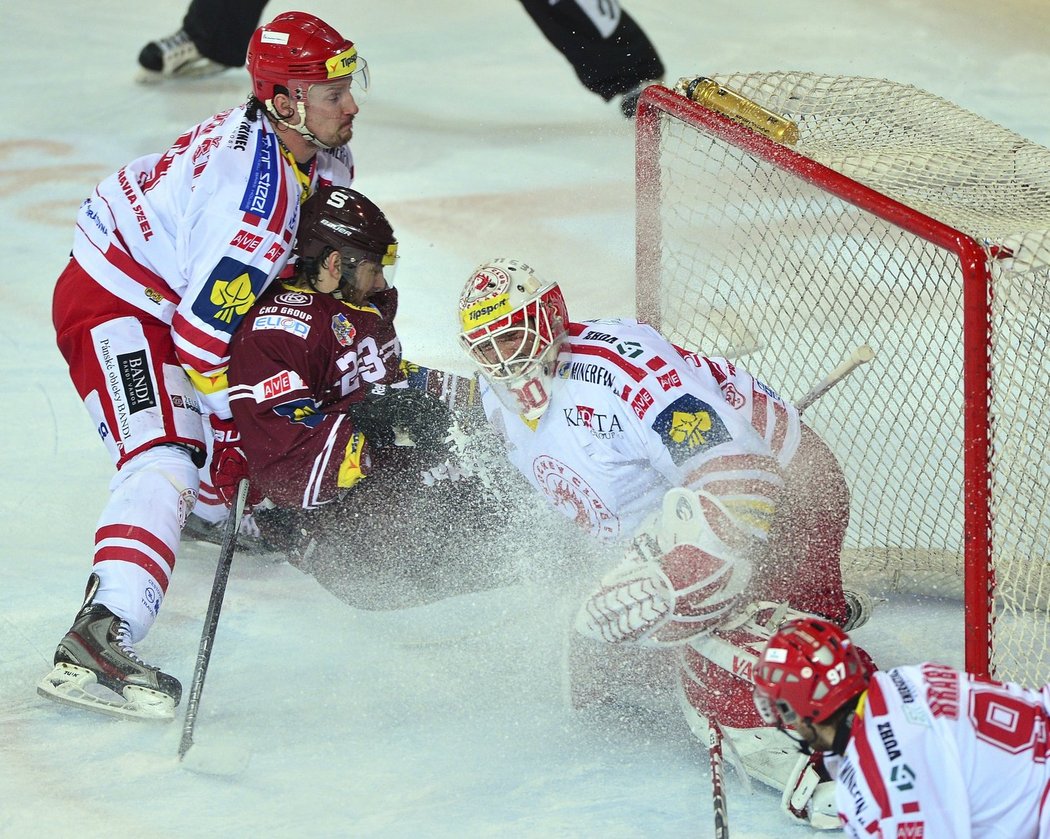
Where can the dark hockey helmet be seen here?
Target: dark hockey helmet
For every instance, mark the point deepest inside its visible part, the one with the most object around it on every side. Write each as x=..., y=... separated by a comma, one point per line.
x=296, y=50
x=344, y=219
x=808, y=670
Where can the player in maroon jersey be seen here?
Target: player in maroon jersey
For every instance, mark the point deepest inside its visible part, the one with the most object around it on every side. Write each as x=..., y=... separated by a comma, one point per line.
x=342, y=437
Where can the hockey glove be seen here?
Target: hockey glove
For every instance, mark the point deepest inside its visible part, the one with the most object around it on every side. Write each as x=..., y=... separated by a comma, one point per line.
x=228, y=463
x=678, y=580
x=809, y=795
x=391, y=416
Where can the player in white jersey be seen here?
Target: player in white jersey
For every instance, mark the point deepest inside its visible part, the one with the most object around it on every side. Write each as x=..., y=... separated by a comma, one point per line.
x=169, y=254
x=727, y=502
x=926, y=750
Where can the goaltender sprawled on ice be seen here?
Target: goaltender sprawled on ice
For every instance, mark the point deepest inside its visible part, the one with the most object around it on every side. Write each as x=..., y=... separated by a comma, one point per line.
x=733, y=510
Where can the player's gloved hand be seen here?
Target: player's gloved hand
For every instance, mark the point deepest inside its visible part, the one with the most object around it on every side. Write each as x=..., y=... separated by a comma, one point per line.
x=809, y=794
x=390, y=416
x=228, y=463
x=678, y=580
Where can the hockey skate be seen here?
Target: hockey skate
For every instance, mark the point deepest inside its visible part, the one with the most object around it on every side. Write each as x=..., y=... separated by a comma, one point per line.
x=174, y=57
x=249, y=537
x=629, y=99
x=859, y=608
x=96, y=668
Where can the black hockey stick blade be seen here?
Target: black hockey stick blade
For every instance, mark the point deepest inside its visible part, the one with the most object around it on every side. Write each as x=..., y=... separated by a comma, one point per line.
x=211, y=619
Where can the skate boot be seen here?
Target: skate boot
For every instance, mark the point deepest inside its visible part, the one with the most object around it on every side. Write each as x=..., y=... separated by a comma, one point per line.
x=629, y=100
x=249, y=537
x=174, y=57
x=859, y=607
x=96, y=668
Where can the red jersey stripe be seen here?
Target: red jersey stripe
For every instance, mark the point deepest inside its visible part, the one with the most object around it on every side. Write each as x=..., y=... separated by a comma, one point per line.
x=631, y=370
x=137, y=534
x=869, y=767
x=121, y=553
x=758, y=412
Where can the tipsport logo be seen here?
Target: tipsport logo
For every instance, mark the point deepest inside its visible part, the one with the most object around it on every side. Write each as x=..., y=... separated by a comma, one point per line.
x=483, y=311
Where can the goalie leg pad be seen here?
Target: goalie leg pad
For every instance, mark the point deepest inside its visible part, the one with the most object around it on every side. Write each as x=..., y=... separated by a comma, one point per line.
x=716, y=682
x=809, y=794
x=802, y=562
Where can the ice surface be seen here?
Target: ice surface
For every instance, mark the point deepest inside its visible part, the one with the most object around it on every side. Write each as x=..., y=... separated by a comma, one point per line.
x=478, y=142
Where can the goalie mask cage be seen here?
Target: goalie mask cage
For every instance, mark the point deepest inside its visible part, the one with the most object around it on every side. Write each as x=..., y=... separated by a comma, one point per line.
x=899, y=220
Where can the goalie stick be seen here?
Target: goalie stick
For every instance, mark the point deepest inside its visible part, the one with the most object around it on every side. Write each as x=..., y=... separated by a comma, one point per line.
x=861, y=355
x=211, y=619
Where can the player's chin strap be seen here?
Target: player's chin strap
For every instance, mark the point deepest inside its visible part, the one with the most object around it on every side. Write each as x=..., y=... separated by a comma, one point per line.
x=300, y=128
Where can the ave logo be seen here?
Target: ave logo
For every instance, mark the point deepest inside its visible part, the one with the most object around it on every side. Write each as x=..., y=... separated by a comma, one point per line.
x=246, y=241
x=276, y=385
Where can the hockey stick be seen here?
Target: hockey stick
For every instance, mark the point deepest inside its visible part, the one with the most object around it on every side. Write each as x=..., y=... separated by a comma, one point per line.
x=211, y=619
x=861, y=355
x=718, y=789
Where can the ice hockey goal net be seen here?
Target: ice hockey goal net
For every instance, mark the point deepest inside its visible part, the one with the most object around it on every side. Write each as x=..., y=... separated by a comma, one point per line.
x=881, y=215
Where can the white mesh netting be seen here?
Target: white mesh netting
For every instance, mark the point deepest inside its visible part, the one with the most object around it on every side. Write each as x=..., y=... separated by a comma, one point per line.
x=753, y=261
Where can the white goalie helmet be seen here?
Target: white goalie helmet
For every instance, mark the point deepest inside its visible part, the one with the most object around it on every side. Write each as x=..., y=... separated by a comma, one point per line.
x=514, y=325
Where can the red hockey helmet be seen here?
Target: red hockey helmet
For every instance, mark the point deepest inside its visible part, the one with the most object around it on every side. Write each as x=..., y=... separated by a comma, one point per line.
x=808, y=670
x=295, y=50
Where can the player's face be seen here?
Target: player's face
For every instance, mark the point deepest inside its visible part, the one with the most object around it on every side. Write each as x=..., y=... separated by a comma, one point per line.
x=818, y=737
x=363, y=280
x=330, y=112
x=503, y=347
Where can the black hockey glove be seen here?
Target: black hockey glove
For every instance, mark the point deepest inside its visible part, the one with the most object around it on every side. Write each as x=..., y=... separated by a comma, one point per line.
x=423, y=418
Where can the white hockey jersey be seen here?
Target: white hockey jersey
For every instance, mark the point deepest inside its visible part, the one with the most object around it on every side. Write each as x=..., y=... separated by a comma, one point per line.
x=633, y=416
x=938, y=754
x=193, y=236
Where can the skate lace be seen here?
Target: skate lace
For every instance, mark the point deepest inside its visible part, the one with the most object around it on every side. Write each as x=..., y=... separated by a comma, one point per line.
x=122, y=638
x=177, y=48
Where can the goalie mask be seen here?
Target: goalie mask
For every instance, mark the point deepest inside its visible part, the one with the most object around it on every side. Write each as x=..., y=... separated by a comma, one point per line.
x=513, y=325
x=294, y=52
x=808, y=670
x=344, y=220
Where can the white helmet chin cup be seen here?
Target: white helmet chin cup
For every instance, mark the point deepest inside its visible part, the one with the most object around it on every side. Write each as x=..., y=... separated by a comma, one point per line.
x=513, y=326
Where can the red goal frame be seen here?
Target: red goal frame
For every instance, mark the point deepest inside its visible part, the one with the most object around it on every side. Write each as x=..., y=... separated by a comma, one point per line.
x=657, y=103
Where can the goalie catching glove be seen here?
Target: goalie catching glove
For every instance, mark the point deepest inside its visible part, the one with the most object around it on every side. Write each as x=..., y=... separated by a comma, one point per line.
x=679, y=580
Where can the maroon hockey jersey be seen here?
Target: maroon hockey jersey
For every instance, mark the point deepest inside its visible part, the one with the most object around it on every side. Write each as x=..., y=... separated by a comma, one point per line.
x=296, y=362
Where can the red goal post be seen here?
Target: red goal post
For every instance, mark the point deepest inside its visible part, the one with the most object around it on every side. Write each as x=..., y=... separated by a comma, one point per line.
x=888, y=216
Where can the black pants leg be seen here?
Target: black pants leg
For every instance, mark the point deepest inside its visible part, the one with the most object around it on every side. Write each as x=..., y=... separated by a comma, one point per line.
x=608, y=63
x=221, y=29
